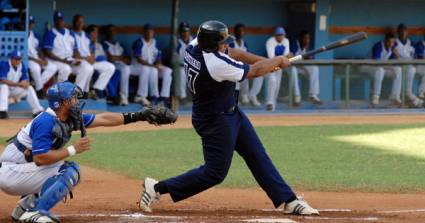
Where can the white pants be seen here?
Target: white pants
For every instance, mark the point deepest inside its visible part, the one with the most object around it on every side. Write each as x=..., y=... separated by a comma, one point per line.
x=257, y=83
x=183, y=84
x=273, y=86
x=243, y=88
x=41, y=78
x=165, y=74
x=144, y=73
x=125, y=77
x=25, y=178
x=410, y=77
x=378, y=74
x=83, y=72
x=106, y=70
x=64, y=70
x=312, y=73
x=420, y=70
x=18, y=93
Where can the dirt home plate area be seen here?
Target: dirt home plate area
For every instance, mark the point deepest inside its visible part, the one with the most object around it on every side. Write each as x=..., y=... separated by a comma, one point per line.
x=104, y=196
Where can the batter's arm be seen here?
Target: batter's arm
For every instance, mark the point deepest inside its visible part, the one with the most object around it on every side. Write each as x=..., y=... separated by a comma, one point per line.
x=266, y=66
x=244, y=56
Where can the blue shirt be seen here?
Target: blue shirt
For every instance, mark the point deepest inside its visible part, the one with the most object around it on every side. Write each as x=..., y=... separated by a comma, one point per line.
x=8, y=72
x=379, y=52
x=420, y=50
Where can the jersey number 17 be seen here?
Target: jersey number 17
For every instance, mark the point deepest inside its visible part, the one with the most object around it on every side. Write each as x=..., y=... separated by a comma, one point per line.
x=191, y=77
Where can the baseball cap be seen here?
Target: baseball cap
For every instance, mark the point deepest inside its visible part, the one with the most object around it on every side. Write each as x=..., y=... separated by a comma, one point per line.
x=58, y=15
x=147, y=27
x=401, y=26
x=15, y=55
x=184, y=27
x=31, y=19
x=279, y=31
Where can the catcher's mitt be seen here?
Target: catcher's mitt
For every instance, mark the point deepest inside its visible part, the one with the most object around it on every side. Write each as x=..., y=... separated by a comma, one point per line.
x=158, y=115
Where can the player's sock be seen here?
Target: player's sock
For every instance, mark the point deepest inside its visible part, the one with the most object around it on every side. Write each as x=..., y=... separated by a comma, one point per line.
x=293, y=198
x=161, y=188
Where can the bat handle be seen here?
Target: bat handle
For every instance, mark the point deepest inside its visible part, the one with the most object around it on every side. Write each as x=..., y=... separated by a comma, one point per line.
x=295, y=58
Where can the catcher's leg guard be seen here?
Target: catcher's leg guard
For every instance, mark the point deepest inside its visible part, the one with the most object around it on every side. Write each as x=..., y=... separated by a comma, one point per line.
x=58, y=187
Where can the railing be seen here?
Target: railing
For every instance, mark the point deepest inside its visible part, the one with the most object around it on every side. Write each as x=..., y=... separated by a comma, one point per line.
x=348, y=66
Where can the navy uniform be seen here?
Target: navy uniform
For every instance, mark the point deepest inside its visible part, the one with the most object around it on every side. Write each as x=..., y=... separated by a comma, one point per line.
x=222, y=126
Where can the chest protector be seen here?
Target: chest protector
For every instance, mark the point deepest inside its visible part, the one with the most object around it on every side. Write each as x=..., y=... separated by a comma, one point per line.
x=61, y=132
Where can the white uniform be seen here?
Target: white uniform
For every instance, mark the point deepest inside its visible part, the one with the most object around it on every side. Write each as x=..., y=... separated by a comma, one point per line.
x=115, y=49
x=407, y=52
x=40, y=78
x=311, y=72
x=275, y=48
x=7, y=72
x=420, y=69
x=243, y=87
x=379, y=52
x=148, y=79
x=181, y=48
x=17, y=175
x=62, y=43
x=105, y=69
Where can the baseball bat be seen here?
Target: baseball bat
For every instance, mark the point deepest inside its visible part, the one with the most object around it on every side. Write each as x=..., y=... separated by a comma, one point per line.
x=339, y=43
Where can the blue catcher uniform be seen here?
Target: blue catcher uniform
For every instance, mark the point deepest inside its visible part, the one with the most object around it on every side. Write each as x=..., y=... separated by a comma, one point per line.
x=224, y=128
x=44, y=185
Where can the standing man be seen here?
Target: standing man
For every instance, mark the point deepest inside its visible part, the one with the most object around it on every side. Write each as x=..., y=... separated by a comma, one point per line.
x=61, y=49
x=86, y=49
x=34, y=164
x=277, y=45
x=385, y=50
x=406, y=51
x=182, y=43
x=117, y=55
x=149, y=57
x=243, y=87
x=302, y=45
x=222, y=125
x=37, y=62
x=14, y=83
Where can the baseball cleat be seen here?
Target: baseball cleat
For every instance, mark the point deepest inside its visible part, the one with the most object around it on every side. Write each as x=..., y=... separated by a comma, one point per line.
x=142, y=100
x=315, y=100
x=299, y=207
x=149, y=195
x=245, y=100
x=375, y=100
x=270, y=107
x=23, y=205
x=37, y=217
x=254, y=101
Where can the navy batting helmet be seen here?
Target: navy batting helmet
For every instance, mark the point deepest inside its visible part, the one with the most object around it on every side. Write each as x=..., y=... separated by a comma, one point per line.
x=62, y=91
x=211, y=34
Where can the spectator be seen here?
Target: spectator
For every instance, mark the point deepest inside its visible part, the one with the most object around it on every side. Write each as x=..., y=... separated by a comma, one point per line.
x=86, y=49
x=405, y=51
x=182, y=43
x=385, y=50
x=117, y=55
x=148, y=55
x=14, y=85
x=239, y=43
x=37, y=61
x=61, y=49
x=302, y=45
x=276, y=45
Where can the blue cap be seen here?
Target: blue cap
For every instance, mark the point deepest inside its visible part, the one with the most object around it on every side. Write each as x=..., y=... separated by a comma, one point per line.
x=58, y=15
x=59, y=92
x=184, y=27
x=279, y=31
x=15, y=55
x=31, y=19
x=147, y=27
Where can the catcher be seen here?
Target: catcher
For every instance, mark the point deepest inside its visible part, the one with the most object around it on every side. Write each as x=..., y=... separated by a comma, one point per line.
x=33, y=164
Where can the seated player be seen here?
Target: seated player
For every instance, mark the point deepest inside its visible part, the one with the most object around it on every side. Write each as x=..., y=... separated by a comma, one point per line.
x=86, y=50
x=34, y=164
x=420, y=69
x=117, y=55
x=148, y=59
x=302, y=45
x=61, y=49
x=37, y=61
x=14, y=85
x=385, y=50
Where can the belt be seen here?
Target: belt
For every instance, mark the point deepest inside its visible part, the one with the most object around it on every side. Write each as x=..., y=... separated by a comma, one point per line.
x=0, y=165
x=19, y=145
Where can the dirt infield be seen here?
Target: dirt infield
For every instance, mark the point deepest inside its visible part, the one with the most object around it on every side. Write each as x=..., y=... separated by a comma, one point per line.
x=108, y=197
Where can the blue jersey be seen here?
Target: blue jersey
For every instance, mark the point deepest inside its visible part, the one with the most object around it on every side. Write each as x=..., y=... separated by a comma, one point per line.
x=8, y=72
x=211, y=79
x=420, y=50
x=379, y=52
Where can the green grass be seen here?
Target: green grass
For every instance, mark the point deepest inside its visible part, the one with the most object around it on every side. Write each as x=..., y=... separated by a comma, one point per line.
x=328, y=158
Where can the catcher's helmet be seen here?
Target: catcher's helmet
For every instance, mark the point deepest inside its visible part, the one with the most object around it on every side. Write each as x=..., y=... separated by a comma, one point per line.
x=62, y=91
x=211, y=34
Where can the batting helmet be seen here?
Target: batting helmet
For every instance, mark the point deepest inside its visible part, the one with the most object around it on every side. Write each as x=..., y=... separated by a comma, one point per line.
x=62, y=91
x=211, y=34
